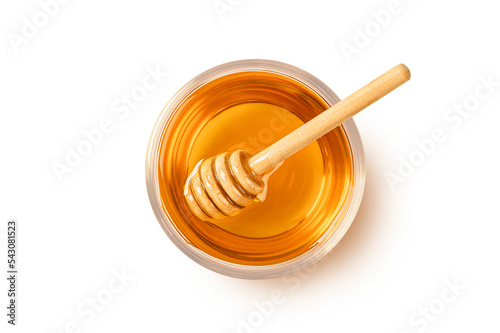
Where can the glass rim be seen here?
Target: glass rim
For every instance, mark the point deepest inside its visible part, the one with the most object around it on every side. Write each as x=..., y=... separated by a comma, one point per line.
x=255, y=271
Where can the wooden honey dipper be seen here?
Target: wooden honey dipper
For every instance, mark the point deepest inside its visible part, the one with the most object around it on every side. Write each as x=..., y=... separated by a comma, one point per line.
x=223, y=185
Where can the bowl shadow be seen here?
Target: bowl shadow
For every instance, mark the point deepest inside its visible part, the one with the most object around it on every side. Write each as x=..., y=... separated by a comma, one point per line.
x=356, y=243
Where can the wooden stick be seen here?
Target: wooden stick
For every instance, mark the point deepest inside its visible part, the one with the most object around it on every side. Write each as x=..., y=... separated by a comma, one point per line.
x=223, y=185
x=328, y=120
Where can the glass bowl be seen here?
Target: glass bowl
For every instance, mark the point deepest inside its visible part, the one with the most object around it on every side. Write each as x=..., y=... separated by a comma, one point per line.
x=169, y=215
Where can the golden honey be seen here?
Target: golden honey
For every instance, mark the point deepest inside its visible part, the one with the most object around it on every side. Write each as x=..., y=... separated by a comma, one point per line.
x=307, y=195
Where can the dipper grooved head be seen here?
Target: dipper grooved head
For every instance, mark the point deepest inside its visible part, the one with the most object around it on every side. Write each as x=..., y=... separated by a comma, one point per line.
x=222, y=186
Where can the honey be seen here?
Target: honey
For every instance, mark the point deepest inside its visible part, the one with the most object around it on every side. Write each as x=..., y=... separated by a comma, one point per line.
x=307, y=196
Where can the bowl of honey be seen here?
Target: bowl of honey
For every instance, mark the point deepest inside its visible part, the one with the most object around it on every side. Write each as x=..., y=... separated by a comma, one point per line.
x=311, y=198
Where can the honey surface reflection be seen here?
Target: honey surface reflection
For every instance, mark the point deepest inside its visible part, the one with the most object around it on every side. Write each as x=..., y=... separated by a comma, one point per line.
x=250, y=111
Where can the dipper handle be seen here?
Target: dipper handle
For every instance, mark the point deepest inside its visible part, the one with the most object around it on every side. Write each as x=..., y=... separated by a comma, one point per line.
x=329, y=119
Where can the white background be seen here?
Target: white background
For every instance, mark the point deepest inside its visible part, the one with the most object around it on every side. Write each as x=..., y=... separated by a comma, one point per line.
x=439, y=224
